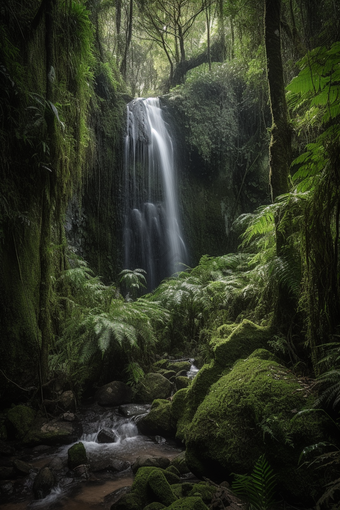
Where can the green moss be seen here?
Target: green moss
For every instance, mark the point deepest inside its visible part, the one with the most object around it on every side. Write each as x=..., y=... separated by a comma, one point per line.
x=146, y=493
x=76, y=455
x=127, y=502
x=182, y=382
x=246, y=413
x=180, y=463
x=160, y=488
x=154, y=506
x=204, y=491
x=173, y=469
x=159, y=420
x=191, y=503
x=161, y=364
x=240, y=343
x=19, y=421
x=178, y=366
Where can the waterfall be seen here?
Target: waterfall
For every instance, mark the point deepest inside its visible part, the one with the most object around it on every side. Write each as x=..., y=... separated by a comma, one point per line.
x=152, y=235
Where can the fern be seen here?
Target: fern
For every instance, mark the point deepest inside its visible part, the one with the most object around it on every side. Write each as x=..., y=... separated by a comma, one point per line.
x=258, y=489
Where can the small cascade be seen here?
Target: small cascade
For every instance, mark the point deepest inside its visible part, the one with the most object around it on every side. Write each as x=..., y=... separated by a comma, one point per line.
x=193, y=370
x=152, y=234
x=122, y=428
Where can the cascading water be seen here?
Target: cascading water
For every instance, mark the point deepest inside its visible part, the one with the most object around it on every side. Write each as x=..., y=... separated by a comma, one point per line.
x=152, y=234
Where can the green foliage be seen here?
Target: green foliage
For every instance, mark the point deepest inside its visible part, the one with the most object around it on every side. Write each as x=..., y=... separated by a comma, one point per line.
x=135, y=373
x=258, y=489
x=99, y=321
x=207, y=102
x=133, y=280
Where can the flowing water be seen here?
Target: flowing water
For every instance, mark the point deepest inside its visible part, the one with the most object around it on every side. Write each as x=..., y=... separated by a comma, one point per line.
x=152, y=235
x=101, y=486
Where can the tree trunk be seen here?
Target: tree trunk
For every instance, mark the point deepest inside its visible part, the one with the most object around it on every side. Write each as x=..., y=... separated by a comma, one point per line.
x=280, y=143
x=44, y=321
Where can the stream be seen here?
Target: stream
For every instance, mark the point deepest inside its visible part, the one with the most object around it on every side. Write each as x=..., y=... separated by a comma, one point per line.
x=109, y=463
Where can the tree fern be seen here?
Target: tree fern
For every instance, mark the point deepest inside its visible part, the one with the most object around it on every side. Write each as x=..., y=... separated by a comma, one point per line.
x=258, y=489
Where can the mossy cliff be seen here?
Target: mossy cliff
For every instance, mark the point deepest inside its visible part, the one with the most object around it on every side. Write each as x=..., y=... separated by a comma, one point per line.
x=222, y=156
x=51, y=106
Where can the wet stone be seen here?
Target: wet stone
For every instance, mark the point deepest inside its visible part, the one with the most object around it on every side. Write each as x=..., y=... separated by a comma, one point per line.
x=107, y=436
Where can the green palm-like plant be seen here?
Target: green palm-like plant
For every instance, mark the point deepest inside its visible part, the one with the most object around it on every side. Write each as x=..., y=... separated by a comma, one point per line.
x=258, y=489
x=133, y=281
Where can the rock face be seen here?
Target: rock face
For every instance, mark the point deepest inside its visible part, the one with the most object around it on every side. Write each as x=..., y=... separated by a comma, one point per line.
x=154, y=386
x=248, y=412
x=114, y=393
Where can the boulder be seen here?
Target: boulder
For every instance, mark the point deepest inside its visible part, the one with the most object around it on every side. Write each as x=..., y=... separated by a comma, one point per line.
x=43, y=483
x=153, y=386
x=76, y=455
x=182, y=382
x=248, y=412
x=158, y=421
x=161, y=481
x=160, y=488
x=161, y=364
x=159, y=462
x=190, y=503
x=53, y=432
x=180, y=464
x=232, y=343
x=169, y=374
x=21, y=467
x=19, y=421
x=107, y=436
x=67, y=401
x=179, y=366
x=114, y=393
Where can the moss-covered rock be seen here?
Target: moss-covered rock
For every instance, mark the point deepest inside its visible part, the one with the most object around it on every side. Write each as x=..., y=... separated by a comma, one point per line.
x=43, y=483
x=204, y=491
x=19, y=421
x=161, y=364
x=53, y=432
x=182, y=382
x=76, y=455
x=178, y=366
x=240, y=343
x=160, y=488
x=180, y=464
x=173, y=469
x=249, y=412
x=147, y=461
x=154, y=506
x=128, y=501
x=191, y=503
x=158, y=421
x=147, y=493
x=153, y=386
